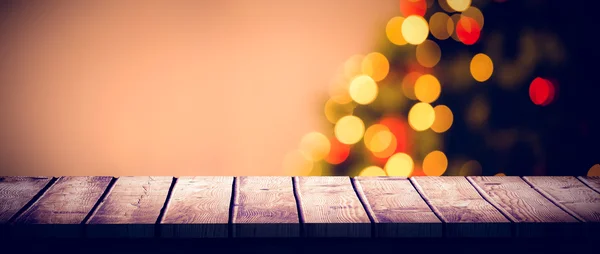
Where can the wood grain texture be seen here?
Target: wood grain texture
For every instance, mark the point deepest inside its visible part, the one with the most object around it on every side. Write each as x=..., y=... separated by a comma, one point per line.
x=592, y=182
x=16, y=192
x=131, y=209
x=533, y=213
x=329, y=207
x=62, y=208
x=265, y=207
x=459, y=205
x=570, y=194
x=199, y=207
x=397, y=208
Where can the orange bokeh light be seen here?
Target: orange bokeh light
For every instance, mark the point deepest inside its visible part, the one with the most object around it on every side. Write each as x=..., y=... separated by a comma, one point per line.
x=541, y=91
x=338, y=152
x=413, y=7
x=468, y=30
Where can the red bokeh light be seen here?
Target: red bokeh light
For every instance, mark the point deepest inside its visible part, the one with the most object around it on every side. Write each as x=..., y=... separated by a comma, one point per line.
x=413, y=7
x=338, y=153
x=468, y=30
x=398, y=127
x=541, y=91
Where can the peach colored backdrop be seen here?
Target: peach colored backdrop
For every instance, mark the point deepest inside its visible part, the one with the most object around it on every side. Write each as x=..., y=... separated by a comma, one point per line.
x=170, y=87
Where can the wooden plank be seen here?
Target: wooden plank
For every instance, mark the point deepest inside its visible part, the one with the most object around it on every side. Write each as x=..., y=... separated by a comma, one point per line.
x=570, y=194
x=533, y=213
x=198, y=207
x=397, y=208
x=329, y=207
x=131, y=209
x=16, y=192
x=460, y=206
x=591, y=181
x=265, y=207
x=61, y=210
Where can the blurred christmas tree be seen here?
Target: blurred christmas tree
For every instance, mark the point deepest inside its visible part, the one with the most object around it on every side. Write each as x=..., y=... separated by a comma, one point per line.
x=444, y=93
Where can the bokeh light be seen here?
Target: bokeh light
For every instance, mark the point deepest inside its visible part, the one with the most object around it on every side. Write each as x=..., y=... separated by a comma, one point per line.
x=421, y=116
x=428, y=53
x=470, y=168
x=377, y=138
x=476, y=14
x=443, y=119
x=435, y=163
x=467, y=30
x=353, y=66
x=372, y=171
x=314, y=146
x=500, y=174
x=393, y=30
x=408, y=84
x=413, y=7
x=389, y=150
x=400, y=164
x=427, y=88
x=415, y=29
x=338, y=152
x=295, y=163
x=398, y=126
x=478, y=112
x=594, y=170
x=441, y=26
x=459, y=5
x=363, y=89
x=376, y=65
x=541, y=91
x=481, y=67
x=444, y=5
x=349, y=129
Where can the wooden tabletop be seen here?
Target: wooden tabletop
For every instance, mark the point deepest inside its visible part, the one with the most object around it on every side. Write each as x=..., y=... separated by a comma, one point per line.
x=226, y=207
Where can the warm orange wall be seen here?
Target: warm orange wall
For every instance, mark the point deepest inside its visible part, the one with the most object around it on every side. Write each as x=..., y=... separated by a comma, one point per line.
x=170, y=87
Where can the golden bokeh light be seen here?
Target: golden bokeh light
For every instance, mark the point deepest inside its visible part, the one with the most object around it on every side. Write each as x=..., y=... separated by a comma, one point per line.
x=441, y=25
x=459, y=5
x=428, y=53
x=353, y=66
x=334, y=110
x=481, y=67
x=349, y=130
x=435, y=163
x=421, y=116
x=399, y=164
x=474, y=13
x=478, y=112
x=378, y=137
x=338, y=89
x=427, y=88
x=393, y=30
x=594, y=170
x=375, y=65
x=389, y=150
x=363, y=89
x=470, y=168
x=372, y=171
x=455, y=18
x=444, y=5
x=408, y=84
x=296, y=164
x=443, y=118
x=415, y=29
x=500, y=174
x=315, y=146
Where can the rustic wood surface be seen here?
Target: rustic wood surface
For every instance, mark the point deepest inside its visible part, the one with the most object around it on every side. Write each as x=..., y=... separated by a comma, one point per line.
x=199, y=207
x=16, y=192
x=291, y=207
x=591, y=181
x=397, y=208
x=570, y=194
x=63, y=207
x=458, y=204
x=524, y=205
x=329, y=207
x=265, y=207
x=131, y=208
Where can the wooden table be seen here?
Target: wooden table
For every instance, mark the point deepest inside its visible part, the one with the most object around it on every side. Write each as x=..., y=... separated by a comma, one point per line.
x=293, y=207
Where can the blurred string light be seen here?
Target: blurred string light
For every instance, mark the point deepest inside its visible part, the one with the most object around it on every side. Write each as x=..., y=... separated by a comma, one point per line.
x=391, y=105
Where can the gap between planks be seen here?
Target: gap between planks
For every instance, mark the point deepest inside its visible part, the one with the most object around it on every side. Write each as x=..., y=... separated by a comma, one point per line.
x=33, y=200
